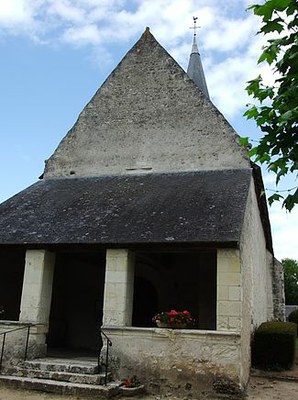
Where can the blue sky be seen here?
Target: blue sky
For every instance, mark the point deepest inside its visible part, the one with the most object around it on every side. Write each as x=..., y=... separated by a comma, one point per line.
x=56, y=53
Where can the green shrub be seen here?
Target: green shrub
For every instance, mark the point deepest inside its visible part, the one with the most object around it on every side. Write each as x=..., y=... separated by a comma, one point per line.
x=273, y=345
x=293, y=317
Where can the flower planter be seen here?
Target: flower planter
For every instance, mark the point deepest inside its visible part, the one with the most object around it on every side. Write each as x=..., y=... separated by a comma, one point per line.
x=170, y=326
x=173, y=319
x=131, y=391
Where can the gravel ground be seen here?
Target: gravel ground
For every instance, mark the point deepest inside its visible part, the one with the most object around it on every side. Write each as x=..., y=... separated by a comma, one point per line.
x=259, y=389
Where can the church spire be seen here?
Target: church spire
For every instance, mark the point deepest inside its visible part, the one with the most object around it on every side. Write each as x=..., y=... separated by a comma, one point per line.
x=195, y=69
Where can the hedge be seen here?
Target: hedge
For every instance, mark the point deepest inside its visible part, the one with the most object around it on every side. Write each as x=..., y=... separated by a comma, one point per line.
x=274, y=345
x=293, y=317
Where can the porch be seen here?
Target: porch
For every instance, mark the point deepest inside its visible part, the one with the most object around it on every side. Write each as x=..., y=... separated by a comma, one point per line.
x=125, y=289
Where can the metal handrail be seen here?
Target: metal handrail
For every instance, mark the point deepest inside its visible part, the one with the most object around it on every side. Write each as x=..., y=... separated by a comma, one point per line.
x=5, y=333
x=109, y=344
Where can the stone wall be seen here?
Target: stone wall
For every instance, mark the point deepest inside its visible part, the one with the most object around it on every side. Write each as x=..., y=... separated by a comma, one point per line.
x=16, y=338
x=147, y=116
x=254, y=258
x=257, y=304
x=186, y=361
x=229, y=291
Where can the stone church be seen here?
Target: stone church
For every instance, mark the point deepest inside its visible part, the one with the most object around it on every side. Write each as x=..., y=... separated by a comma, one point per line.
x=148, y=204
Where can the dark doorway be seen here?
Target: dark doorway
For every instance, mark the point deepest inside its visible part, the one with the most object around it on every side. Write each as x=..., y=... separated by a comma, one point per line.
x=175, y=280
x=12, y=265
x=145, y=301
x=77, y=300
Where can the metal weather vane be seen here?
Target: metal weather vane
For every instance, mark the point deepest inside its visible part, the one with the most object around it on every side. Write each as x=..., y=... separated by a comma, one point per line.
x=195, y=27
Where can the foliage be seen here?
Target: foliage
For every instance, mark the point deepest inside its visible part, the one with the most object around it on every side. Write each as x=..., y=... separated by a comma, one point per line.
x=293, y=317
x=290, y=267
x=277, y=111
x=174, y=317
x=273, y=345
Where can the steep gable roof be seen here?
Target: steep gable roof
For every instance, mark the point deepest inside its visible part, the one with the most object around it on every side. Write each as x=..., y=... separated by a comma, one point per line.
x=147, y=116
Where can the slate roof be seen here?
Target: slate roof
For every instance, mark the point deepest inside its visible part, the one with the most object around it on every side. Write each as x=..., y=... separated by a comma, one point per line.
x=195, y=69
x=191, y=207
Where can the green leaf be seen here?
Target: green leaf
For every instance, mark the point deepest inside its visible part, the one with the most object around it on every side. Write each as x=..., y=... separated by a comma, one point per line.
x=244, y=141
x=281, y=5
x=278, y=119
x=254, y=85
x=252, y=152
x=268, y=56
x=273, y=167
x=290, y=201
x=272, y=26
x=286, y=116
x=269, y=8
x=274, y=197
x=264, y=11
x=251, y=113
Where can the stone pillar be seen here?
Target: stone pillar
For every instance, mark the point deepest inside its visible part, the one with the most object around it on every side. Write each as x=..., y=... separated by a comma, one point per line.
x=278, y=290
x=229, y=290
x=37, y=286
x=37, y=296
x=118, y=291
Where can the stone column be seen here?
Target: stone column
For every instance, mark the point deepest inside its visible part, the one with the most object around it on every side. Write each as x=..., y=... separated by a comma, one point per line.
x=118, y=291
x=37, y=296
x=37, y=286
x=229, y=290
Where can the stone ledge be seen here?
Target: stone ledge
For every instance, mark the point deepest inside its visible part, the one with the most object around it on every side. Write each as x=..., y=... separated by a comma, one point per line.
x=151, y=332
x=13, y=323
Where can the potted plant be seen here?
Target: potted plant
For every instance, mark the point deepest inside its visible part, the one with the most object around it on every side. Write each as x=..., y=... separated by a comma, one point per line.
x=173, y=319
x=131, y=386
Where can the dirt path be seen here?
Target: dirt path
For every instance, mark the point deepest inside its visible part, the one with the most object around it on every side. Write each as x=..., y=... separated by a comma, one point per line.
x=259, y=389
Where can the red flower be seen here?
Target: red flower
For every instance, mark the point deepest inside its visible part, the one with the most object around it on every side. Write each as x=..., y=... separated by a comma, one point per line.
x=173, y=317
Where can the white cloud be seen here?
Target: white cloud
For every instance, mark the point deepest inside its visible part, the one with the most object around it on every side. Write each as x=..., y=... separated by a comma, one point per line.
x=230, y=34
x=88, y=34
x=65, y=10
x=14, y=11
x=15, y=16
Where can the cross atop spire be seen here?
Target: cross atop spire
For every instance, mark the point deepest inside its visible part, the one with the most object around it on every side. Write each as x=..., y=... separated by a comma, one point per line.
x=194, y=27
x=195, y=68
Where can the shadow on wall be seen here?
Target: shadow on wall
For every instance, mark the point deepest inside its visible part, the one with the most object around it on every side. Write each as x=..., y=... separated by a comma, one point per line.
x=77, y=300
x=175, y=280
x=12, y=266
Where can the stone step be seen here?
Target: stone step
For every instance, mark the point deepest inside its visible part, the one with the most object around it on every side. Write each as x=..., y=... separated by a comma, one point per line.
x=62, y=388
x=62, y=365
x=90, y=379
